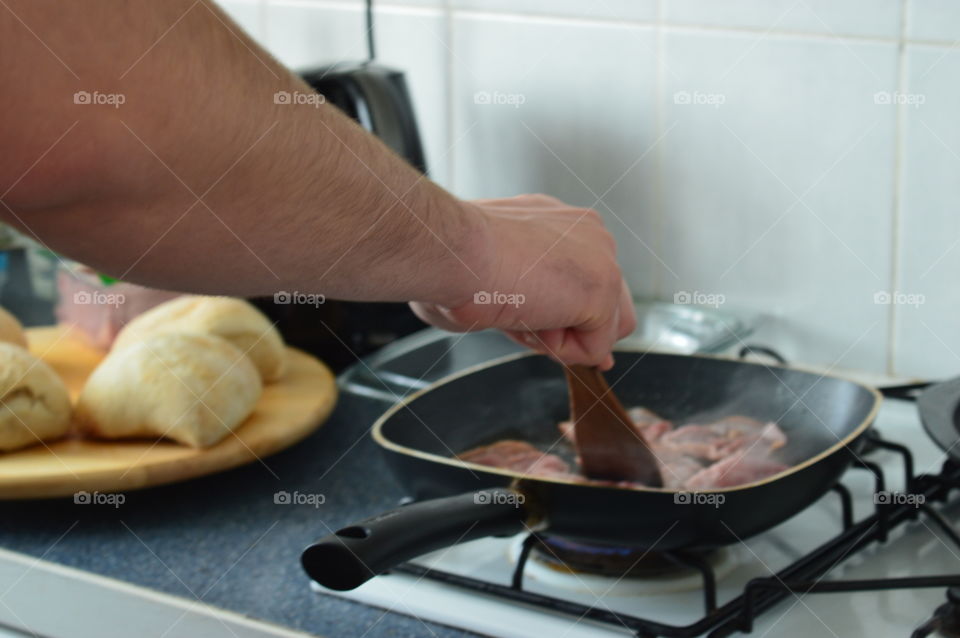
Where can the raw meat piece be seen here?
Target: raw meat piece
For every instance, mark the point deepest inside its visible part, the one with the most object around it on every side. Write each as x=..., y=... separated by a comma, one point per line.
x=675, y=469
x=650, y=426
x=729, y=452
x=715, y=441
x=736, y=469
x=518, y=456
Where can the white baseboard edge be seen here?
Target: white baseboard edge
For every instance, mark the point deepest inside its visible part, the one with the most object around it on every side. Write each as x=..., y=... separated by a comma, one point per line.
x=40, y=598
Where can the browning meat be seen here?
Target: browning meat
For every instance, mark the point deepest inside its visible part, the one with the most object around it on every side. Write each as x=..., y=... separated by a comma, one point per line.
x=718, y=440
x=520, y=457
x=732, y=451
x=648, y=425
x=737, y=469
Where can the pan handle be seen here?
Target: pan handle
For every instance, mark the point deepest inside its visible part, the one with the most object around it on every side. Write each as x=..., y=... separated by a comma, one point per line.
x=353, y=555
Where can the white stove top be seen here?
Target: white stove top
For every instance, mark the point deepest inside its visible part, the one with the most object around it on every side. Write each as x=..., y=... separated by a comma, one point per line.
x=915, y=549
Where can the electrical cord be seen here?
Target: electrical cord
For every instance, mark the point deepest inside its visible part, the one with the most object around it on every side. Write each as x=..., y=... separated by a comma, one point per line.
x=371, y=49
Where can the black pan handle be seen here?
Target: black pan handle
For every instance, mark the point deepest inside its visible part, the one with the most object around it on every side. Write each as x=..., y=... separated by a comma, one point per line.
x=906, y=392
x=353, y=555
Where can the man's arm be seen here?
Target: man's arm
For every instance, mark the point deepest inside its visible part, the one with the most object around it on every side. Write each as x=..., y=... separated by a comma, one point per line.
x=200, y=181
x=287, y=189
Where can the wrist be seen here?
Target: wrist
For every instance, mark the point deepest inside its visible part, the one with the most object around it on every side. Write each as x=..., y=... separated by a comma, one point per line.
x=472, y=251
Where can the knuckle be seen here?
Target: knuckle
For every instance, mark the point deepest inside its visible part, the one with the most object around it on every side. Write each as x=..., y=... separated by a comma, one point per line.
x=460, y=317
x=592, y=215
x=612, y=276
x=629, y=325
x=610, y=241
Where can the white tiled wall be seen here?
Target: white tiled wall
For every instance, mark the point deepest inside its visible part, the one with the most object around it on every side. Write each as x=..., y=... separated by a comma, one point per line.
x=752, y=150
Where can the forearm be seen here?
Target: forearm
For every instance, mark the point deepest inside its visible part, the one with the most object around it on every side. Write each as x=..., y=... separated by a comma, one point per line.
x=199, y=181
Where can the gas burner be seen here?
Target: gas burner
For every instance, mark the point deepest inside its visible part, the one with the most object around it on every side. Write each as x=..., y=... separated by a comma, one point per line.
x=606, y=560
x=621, y=571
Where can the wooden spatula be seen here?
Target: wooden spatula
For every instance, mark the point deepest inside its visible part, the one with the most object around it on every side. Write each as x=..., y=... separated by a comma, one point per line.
x=610, y=448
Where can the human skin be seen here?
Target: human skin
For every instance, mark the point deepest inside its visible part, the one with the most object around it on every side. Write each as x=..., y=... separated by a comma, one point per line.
x=200, y=181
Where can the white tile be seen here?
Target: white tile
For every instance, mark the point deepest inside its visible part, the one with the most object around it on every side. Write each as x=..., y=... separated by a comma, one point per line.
x=587, y=9
x=303, y=34
x=928, y=337
x=381, y=3
x=246, y=13
x=755, y=124
x=879, y=18
x=567, y=116
x=933, y=20
x=410, y=3
x=415, y=42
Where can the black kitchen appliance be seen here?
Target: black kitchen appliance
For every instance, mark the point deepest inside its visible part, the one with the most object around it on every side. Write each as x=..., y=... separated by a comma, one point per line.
x=376, y=96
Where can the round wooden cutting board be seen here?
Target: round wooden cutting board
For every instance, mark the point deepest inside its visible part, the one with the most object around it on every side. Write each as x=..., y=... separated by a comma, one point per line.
x=288, y=411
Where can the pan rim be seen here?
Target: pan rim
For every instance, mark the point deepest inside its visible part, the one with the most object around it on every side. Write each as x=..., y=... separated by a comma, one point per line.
x=381, y=439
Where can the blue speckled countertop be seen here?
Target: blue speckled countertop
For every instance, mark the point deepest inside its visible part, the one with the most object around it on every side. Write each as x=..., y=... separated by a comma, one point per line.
x=222, y=538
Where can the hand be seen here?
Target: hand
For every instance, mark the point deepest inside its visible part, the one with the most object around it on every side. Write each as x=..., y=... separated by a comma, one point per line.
x=548, y=278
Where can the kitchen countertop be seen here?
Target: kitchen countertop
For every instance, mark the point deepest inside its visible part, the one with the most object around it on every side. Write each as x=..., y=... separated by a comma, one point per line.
x=222, y=539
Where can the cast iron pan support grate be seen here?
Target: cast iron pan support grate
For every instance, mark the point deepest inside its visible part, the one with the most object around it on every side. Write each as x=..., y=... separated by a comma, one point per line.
x=801, y=577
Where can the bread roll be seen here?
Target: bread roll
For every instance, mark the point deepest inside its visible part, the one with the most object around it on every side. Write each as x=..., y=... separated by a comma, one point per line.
x=192, y=388
x=34, y=403
x=232, y=319
x=10, y=330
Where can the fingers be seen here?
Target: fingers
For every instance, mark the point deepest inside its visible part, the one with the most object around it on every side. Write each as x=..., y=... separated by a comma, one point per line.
x=436, y=316
x=591, y=346
x=576, y=303
x=572, y=345
x=527, y=200
x=527, y=339
x=628, y=315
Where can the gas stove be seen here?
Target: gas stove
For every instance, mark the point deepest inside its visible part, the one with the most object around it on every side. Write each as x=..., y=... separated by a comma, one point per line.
x=877, y=555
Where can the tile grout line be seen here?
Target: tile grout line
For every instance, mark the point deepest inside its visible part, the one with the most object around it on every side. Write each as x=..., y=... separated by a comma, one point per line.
x=895, y=221
x=446, y=7
x=658, y=212
x=658, y=20
x=450, y=159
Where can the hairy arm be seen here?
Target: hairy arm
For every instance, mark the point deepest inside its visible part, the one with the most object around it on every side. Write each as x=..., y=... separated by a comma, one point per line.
x=178, y=169
x=198, y=180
